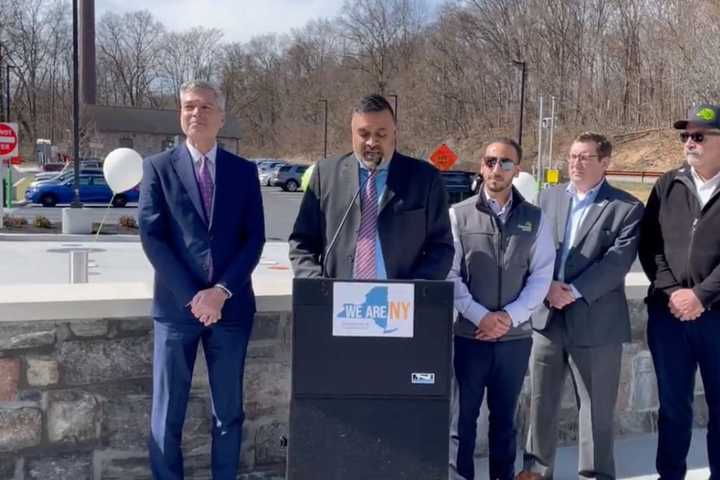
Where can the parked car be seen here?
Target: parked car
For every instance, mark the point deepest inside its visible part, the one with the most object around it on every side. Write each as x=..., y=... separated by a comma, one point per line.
x=53, y=167
x=288, y=177
x=268, y=165
x=67, y=174
x=93, y=189
x=459, y=184
x=85, y=165
x=267, y=175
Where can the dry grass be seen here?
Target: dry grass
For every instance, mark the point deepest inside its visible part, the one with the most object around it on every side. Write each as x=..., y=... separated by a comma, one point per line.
x=640, y=190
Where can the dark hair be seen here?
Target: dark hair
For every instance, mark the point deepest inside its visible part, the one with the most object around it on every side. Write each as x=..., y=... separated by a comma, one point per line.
x=507, y=141
x=604, y=147
x=373, y=103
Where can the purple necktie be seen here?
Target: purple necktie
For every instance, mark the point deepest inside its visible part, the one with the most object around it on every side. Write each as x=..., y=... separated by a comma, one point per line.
x=206, y=186
x=365, y=251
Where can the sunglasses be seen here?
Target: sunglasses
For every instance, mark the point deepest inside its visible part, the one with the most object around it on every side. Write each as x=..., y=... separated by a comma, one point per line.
x=506, y=164
x=697, y=137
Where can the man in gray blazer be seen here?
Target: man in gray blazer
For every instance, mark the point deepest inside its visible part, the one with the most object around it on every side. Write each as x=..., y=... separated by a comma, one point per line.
x=373, y=213
x=585, y=319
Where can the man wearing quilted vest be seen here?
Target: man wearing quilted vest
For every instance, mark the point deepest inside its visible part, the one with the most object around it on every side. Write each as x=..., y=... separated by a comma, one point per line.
x=502, y=269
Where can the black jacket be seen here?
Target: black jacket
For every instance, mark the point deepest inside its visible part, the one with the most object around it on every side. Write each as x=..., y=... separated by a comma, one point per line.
x=680, y=241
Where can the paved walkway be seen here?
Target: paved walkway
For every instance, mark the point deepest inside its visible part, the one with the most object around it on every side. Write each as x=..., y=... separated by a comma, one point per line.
x=634, y=459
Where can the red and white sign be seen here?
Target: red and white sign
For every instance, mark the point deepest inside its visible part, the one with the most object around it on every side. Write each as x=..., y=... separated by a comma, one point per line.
x=8, y=140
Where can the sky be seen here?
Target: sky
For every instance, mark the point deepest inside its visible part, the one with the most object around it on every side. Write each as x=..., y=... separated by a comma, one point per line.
x=239, y=20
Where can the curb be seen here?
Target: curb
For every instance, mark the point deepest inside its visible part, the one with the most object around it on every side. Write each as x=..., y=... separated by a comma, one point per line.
x=59, y=237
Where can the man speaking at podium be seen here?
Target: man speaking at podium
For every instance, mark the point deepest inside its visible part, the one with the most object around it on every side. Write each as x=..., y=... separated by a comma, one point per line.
x=373, y=213
x=503, y=266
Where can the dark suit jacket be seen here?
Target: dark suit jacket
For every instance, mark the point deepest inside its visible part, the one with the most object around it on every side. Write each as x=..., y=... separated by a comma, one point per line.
x=179, y=241
x=413, y=221
x=604, y=250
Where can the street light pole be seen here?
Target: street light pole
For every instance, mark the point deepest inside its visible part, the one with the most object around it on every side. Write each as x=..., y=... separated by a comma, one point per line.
x=76, y=111
x=7, y=92
x=395, y=98
x=325, y=134
x=522, y=66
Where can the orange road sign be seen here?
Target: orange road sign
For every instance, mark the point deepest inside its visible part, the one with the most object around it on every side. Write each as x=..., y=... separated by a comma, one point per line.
x=443, y=157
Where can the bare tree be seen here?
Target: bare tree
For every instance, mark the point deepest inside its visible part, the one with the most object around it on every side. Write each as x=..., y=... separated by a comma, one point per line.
x=193, y=54
x=128, y=53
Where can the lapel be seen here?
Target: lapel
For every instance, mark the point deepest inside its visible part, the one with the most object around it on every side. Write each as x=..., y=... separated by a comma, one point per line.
x=563, y=212
x=349, y=176
x=593, y=213
x=222, y=177
x=183, y=165
x=393, y=182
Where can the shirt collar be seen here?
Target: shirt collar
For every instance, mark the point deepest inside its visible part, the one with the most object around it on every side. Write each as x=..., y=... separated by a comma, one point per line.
x=589, y=196
x=196, y=155
x=495, y=205
x=383, y=165
x=699, y=182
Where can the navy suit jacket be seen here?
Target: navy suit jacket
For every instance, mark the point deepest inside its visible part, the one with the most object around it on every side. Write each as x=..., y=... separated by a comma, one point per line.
x=179, y=240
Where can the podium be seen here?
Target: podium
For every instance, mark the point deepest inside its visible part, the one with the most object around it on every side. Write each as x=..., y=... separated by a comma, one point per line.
x=371, y=371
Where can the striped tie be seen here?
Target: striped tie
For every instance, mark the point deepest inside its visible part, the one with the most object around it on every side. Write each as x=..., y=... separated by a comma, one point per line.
x=206, y=186
x=365, y=248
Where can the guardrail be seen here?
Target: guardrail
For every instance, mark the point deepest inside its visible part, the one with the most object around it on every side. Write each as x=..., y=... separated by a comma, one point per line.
x=633, y=173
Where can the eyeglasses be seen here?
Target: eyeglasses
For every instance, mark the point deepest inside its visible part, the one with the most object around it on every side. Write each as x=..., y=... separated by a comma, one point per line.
x=506, y=164
x=697, y=137
x=582, y=158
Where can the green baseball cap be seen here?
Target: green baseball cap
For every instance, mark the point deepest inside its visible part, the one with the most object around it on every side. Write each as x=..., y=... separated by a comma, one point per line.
x=702, y=115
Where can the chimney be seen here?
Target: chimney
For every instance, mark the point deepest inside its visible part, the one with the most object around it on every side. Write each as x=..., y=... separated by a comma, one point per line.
x=86, y=40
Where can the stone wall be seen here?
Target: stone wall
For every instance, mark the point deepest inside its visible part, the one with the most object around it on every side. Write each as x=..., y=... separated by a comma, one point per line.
x=75, y=400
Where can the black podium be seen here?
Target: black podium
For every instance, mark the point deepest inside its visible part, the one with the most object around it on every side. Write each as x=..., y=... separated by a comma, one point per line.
x=370, y=407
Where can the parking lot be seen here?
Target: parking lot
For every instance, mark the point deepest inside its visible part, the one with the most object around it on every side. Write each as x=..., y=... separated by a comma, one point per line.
x=280, y=212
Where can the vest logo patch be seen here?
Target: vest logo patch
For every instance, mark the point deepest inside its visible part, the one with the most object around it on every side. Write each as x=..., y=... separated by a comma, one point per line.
x=526, y=227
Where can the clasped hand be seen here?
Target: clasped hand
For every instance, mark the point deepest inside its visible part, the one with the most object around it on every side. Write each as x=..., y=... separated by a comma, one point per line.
x=207, y=305
x=685, y=305
x=493, y=326
x=560, y=295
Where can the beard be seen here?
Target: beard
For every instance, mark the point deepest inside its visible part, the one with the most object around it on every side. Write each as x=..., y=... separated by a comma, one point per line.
x=497, y=184
x=372, y=158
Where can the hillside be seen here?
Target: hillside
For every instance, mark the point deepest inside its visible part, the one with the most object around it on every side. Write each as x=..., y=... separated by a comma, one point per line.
x=654, y=150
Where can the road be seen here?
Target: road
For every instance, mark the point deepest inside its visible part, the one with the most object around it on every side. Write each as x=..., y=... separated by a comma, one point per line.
x=280, y=212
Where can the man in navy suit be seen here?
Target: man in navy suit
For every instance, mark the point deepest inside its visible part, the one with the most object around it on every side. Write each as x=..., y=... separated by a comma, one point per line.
x=202, y=228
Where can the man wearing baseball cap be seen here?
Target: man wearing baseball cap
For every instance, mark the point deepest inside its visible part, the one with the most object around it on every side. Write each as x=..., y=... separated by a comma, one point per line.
x=680, y=253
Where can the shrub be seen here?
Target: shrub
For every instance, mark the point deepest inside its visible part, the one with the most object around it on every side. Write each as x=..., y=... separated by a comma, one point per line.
x=10, y=221
x=42, y=222
x=127, y=222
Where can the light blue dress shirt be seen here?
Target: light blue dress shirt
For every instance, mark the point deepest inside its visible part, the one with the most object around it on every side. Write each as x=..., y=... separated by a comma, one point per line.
x=579, y=207
x=380, y=183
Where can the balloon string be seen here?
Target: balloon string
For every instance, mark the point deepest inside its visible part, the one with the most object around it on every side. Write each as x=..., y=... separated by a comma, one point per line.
x=102, y=222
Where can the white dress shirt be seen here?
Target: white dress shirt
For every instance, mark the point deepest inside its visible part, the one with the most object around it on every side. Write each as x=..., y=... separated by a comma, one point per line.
x=705, y=188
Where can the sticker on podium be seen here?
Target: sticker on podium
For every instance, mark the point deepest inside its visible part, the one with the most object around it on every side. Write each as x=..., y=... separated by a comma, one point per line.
x=373, y=309
x=422, y=378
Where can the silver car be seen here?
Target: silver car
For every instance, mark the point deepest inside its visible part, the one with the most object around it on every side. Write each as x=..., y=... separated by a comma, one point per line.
x=288, y=177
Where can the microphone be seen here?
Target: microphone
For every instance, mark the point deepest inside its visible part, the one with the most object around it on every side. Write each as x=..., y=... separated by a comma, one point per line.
x=376, y=159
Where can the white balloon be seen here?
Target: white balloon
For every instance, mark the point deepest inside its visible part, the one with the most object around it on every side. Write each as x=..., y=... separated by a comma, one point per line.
x=122, y=169
x=527, y=186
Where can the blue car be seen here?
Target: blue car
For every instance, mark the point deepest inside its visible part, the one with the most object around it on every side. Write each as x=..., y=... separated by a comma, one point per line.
x=93, y=189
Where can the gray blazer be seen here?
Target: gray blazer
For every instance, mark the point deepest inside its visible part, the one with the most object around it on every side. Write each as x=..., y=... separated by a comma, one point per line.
x=604, y=250
x=413, y=221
